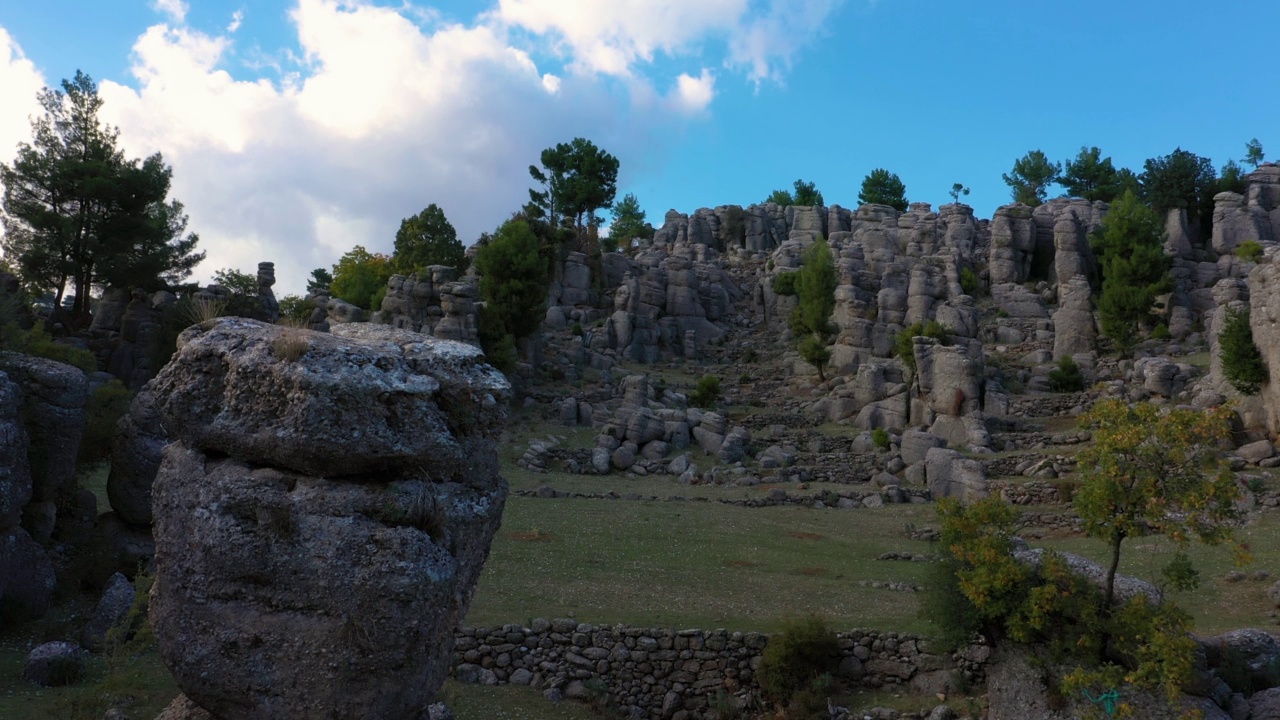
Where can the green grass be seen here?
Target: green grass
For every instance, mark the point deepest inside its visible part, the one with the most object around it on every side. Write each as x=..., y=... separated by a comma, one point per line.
x=1217, y=605
x=699, y=565
x=661, y=486
x=141, y=684
x=94, y=478
x=509, y=702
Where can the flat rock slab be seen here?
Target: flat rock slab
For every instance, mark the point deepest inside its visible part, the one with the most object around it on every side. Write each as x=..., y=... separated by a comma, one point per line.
x=365, y=399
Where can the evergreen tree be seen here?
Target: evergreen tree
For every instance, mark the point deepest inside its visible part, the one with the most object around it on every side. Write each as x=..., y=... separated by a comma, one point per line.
x=780, y=197
x=883, y=188
x=1032, y=175
x=77, y=212
x=806, y=193
x=320, y=279
x=1130, y=249
x=1181, y=180
x=628, y=221
x=815, y=285
x=1253, y=153
x=578, y=178
x=1242, y=363
x=428, y=239
x=513, y=285
x=957, y=189
x=1090, y=176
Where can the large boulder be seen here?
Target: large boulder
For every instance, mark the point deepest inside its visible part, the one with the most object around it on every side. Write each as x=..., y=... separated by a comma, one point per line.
x=951, y=474
x=286, y=590
x=364, y=399
x=26, y=575
x=140, y=441
x=15, y=473
x=52, y=411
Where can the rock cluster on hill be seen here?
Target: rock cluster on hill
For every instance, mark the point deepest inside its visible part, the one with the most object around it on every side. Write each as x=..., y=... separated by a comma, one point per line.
x=321, y=517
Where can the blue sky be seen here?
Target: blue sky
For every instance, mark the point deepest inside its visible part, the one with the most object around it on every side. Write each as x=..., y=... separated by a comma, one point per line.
x=300, y=128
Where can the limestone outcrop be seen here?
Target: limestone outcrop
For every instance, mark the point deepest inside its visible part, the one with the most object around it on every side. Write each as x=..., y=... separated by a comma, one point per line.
x=321, y=518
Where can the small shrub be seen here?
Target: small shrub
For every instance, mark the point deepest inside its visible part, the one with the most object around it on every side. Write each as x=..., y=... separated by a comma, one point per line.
x=744, y=378
x=1249, y=251
x=880, y=437
x=784, y=283
x=706, y=392
x=1066, y=377
x=1161, y=332
x=750, y=355
x=39, y=343
x=290, y=345
x=1242, y=364
x=725, y=705
x=969, y=281
x=202, y=310
x=804, y=651
x=576, y=330
x=905, y=343
x=295, y=308
x=106, y=406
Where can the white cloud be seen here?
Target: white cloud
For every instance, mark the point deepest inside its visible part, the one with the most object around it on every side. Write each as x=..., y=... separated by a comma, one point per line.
x=694, y=94
x=19, y=83
x=614, y=37
x=388, y=110
x=237, y=18
x=175, y=10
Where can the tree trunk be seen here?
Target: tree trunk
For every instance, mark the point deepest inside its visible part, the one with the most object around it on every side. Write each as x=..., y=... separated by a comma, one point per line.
x=1109, y=595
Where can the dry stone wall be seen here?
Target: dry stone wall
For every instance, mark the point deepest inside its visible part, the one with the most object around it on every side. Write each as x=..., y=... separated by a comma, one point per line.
x=678, y=674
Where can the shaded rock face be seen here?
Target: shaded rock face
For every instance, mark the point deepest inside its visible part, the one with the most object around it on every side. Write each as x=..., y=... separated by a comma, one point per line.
x=288, y=590
x=432, y=303
x=140, y=441
x=52, y=410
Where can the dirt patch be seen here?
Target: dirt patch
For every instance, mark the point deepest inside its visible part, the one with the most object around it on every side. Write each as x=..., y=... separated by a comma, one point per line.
x=799, y=535
x=739, y=564
x=812, y=571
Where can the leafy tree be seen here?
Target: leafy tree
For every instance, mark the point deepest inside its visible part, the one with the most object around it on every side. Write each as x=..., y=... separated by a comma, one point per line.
x=1181, y=180
x=1128, y=181
x=706, y=392
x=780, y=197
x=883, y=188
x=1130, y=248
x=320, y=279
x=628, y=220
x=1154, y=471
x=77, y=212
x=1242, y=363
x=806, y=193
x=1253, y=153
x=1031, y=177
x=360, y=277
x=1091, y=176
x=1231, y=179
x=578, y=178
x=244, y=293
x=957, y=189
x=815, y=285
x=904, y=343
x=428, y=239
x=1067, y=376
x=513, y=285
x=296, y=308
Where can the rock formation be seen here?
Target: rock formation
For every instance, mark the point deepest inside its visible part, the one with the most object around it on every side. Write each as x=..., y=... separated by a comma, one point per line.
x=321, y=518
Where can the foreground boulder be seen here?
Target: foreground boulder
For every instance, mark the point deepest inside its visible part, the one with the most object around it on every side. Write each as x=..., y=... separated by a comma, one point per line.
x=321, y=527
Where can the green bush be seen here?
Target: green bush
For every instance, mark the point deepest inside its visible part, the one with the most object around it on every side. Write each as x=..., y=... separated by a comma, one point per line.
x=576, y=330
x=880, y=437
x=1066, y=377
x=904, y=344
x=296, y=308
x=1249, y=251
x=804, y=651
x=106, y=406
x=706, y=392
x=969, y=281
x=1161, y=332
x=1242, y=364
x=784, y=283
x=39, y=343
x=750, y=355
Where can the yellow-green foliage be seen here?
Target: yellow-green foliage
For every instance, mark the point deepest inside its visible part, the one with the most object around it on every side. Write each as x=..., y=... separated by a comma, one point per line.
x=38, y=342
x=1249, y=251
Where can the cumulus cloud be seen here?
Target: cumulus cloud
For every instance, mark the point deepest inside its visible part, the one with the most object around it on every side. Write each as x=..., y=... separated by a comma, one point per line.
x=237, y=18
x=19, y=83
x=614, y=37
x=384, y=110
x=175, y=10
x=694, y=94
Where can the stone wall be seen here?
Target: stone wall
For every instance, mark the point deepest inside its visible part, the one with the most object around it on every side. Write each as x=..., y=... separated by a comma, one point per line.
x=678, y=674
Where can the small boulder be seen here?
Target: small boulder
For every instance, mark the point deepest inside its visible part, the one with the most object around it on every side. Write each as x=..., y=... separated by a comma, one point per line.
x=54, y=664
x=113, y=607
